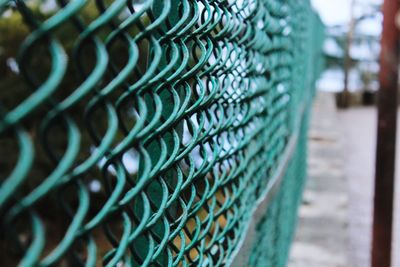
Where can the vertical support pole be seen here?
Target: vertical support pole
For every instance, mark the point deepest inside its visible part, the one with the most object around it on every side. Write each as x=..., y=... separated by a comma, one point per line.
x=386, y=142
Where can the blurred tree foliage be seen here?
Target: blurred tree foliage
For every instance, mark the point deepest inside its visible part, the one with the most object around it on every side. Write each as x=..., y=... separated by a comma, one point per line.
x=338, y=35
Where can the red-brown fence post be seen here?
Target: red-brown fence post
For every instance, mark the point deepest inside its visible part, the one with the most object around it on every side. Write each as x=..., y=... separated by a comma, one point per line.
x=386, y=140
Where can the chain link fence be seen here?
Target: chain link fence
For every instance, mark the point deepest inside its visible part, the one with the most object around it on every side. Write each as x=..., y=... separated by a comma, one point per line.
x=146, y=133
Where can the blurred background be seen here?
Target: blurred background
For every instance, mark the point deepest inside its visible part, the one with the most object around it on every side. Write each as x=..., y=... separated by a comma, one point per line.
x=336, y=216
x=352, y=48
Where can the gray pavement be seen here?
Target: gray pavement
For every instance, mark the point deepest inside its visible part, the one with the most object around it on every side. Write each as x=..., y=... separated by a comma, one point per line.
x=321, y=239
x=359, y=131
x=336, y=216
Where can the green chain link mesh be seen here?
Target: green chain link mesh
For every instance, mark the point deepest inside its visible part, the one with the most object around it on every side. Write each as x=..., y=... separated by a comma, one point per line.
x=143, y=133
x=276, y=228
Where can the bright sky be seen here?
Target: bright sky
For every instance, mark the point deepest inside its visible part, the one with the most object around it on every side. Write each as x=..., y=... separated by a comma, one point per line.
x=334, y=12
x=338, y=11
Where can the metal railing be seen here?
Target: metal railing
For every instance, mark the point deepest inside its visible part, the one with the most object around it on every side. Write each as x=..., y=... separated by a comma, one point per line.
x=153, y=133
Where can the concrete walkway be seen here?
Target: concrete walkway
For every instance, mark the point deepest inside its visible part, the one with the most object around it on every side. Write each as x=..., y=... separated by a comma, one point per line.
x=359, y=131
x=322, y=239
x=336, y=216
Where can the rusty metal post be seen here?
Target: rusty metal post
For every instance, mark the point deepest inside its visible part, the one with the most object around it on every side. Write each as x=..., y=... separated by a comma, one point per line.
x=386, y=142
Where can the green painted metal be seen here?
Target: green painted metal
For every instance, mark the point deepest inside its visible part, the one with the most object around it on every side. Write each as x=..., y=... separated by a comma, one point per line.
x=144, y=133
